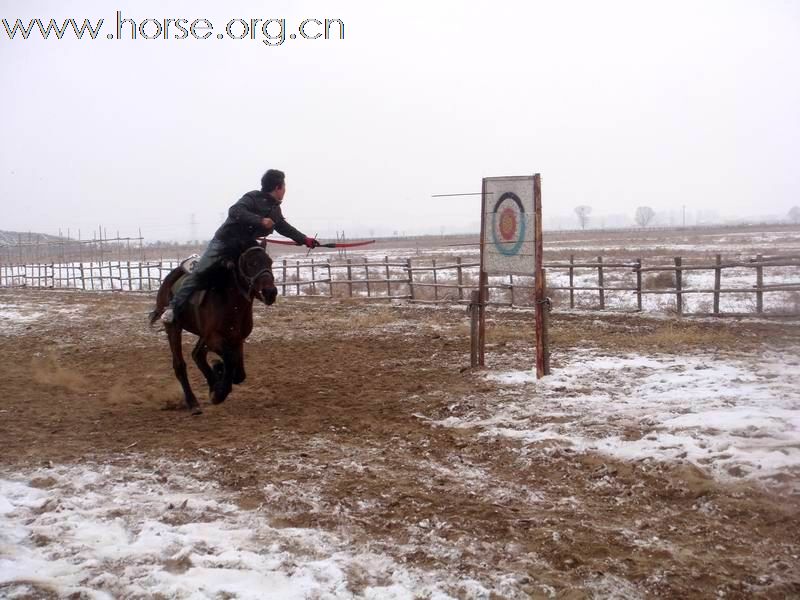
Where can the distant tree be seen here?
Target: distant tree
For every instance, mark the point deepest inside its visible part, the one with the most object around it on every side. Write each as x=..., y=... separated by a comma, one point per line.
x=644, y=214
x=583, y=213
x=794, y=214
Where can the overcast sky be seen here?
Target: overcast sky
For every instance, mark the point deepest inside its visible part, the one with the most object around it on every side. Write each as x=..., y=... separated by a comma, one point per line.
x=616, y=104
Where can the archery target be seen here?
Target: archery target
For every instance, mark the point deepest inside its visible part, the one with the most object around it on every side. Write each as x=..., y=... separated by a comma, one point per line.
x=508, y=242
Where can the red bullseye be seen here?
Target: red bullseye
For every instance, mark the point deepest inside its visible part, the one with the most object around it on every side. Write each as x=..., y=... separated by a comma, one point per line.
x=508, y=224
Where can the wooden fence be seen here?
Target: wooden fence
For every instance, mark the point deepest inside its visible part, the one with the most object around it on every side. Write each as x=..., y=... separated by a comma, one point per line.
x=676, y=286
x=574, y=284
x=133, y=276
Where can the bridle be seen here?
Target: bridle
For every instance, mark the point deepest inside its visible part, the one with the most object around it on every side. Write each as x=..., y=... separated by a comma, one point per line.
x=252, y=279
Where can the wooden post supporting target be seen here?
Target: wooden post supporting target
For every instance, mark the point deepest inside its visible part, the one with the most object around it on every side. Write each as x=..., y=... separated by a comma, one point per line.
x=511, y=243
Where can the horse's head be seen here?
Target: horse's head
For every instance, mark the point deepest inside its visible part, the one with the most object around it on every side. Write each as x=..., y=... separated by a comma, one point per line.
x=255, y=266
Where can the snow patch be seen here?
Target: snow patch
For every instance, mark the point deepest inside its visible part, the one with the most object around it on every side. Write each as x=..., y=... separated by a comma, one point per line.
x=735, y=417
x=103, y=531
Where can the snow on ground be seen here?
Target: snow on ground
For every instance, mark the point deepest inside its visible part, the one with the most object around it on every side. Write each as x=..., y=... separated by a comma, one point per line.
x=103, y=531
x=734, y=417
x=15, y=318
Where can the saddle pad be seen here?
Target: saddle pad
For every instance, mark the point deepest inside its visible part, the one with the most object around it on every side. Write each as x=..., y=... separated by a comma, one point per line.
x=190, y=263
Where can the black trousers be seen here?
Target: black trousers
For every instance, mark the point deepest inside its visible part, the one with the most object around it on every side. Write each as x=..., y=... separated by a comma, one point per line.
x=198, y=278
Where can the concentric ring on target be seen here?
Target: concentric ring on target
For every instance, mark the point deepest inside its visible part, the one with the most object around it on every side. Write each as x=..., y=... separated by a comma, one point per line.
x=508, y=224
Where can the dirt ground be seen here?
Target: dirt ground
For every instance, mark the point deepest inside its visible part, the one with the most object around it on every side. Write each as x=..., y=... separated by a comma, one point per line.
x=338, y=402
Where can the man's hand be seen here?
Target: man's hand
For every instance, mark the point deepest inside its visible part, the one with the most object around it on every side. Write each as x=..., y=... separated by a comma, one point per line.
x=268, y=223
x=311, y=242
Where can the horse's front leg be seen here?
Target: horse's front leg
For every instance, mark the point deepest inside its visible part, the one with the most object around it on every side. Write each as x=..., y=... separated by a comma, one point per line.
x=200, y=354
x=224, y=384
x=179, y=366
x=238, y=366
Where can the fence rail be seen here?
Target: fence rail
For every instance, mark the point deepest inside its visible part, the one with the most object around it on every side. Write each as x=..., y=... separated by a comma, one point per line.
x=595, y=284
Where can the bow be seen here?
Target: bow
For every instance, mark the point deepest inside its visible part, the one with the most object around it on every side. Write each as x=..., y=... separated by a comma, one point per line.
x=328, y=245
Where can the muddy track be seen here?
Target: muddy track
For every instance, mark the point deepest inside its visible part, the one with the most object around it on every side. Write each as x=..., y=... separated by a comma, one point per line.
x=333, y=429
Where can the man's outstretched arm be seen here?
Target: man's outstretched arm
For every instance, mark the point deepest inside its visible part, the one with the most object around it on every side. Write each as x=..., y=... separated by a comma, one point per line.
x=283, y=227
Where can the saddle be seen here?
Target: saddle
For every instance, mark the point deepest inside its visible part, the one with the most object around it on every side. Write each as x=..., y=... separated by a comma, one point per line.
x=251, y=262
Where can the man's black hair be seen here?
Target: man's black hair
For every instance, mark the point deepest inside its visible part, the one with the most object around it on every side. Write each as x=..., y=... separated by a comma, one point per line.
x=272, y=179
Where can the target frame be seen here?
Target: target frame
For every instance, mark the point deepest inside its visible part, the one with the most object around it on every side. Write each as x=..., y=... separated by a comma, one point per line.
x=508, y=226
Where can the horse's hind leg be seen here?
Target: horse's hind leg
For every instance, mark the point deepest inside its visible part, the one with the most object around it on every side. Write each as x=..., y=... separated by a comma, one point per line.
x=179, y=366
x=200, y=354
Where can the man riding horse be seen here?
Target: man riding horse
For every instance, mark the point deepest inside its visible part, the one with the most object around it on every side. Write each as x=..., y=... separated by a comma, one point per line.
x=255, y=215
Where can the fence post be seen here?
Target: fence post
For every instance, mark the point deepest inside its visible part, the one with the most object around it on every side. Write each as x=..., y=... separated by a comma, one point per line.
x=388, y=282
x=330, y=277
x=678, y=285
x=410, y=279
x=546, y=326
x=460, y=274
x=483, y=301
x=600, y=282
x=511, y=288
x=639, y=284
x=571, y=281
x=717, y=283
x=283, y=286
x=349, y=278
x=474, y=311
x=366, y=273
x=313, y=278
x=435, y=282
x=759, y=285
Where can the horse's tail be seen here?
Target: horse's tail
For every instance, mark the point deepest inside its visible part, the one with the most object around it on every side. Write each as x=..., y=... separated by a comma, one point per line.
x=165, y=294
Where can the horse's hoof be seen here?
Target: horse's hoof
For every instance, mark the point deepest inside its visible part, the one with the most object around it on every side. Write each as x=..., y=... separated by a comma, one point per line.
x=197, y=411
x=215, y=399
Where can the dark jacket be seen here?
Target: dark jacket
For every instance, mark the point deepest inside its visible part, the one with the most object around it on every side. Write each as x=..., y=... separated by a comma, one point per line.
x=243, y=224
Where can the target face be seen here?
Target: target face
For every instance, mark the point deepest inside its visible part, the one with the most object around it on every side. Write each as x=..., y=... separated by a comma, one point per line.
x=508, y=224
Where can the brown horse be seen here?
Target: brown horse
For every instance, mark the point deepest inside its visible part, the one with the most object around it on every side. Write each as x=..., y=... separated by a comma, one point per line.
x=222, y=318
